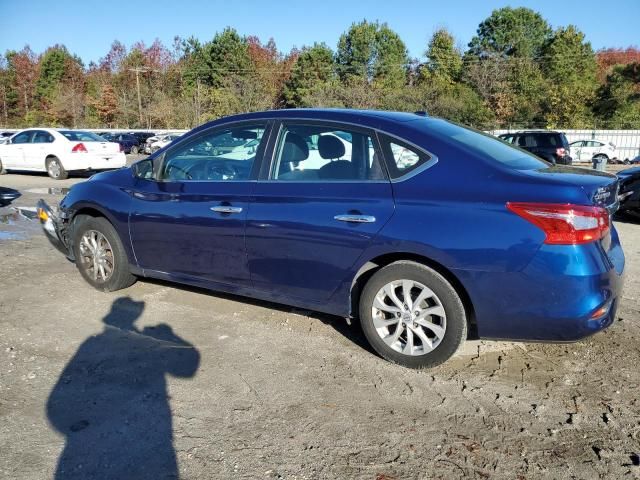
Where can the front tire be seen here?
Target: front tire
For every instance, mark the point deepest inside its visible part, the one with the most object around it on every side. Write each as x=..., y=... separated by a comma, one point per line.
x=134, y=150
x=55, y=169
x=100, y=255
x=412, y=316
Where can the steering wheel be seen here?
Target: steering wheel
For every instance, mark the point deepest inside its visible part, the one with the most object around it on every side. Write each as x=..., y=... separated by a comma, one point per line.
x=180, y=169
x=218, y=171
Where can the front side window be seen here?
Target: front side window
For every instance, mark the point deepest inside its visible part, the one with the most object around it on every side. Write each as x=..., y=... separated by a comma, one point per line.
x=324, y=153
x=22, y=137
x=221, y=155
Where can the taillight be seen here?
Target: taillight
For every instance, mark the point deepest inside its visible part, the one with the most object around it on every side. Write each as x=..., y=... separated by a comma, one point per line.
x=565, y=224
x=79, y=148
x=561, y=152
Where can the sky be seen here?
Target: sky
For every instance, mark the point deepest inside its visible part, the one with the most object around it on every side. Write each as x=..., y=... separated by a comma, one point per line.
x=88, y=27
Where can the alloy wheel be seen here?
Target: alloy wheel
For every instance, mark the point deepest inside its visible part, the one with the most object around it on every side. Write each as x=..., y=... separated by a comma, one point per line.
x=96, y=255
x=409, y=317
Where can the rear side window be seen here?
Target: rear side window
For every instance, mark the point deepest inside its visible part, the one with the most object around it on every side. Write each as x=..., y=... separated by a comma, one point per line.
x=403, y=158
x=324, y=153
x=486, y=146
x=42, y=137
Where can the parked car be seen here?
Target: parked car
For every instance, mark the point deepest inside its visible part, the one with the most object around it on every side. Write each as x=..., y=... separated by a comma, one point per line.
x=586, y=150
x=423, y=231
x=142, y=138
x=546, y=144
x=7, y=195
x=635, y=160
x=161, y=142
x=59, y=152
x=629, y=194
x=127, y=142
x=4, y=137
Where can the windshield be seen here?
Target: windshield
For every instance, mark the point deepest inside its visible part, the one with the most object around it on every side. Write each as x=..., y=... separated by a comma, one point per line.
x=78, y=136
x=488, y=146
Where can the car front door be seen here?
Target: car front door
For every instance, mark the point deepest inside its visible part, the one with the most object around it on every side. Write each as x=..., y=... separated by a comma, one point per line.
x=13, y=153
x=189, y=222
x=313, y=213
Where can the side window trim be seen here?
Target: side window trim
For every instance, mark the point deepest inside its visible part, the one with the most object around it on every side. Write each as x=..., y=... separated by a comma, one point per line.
x=389, y=161
x=255, y=168
x=271, y=154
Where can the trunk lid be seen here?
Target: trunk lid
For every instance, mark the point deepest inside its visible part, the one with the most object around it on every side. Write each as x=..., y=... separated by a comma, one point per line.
x=600, y=188
x=101, y=148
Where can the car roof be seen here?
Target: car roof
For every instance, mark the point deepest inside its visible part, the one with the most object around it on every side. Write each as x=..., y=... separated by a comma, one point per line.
x=366, y=118
x=535, y=131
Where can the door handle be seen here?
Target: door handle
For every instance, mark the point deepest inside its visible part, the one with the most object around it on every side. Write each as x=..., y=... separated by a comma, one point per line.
x=226, y=209
x=355, y=218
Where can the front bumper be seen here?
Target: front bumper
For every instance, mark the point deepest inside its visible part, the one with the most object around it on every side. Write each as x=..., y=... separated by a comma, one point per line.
x=55, y=227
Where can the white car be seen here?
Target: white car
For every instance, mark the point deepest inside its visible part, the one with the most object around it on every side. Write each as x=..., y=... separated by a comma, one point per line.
x=154, y=144
x=585, y=150
x=59, y=152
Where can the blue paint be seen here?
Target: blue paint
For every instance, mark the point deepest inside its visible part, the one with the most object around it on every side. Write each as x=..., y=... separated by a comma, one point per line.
x=286, y=246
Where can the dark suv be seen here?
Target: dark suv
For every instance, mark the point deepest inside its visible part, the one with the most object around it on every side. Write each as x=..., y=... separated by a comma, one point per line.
x=546, y=144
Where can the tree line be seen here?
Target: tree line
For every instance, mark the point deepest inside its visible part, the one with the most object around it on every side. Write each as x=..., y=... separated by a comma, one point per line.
x=516, y=72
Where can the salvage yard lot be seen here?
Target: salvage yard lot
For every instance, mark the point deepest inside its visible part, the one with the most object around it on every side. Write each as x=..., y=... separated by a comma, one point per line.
x=236, y=388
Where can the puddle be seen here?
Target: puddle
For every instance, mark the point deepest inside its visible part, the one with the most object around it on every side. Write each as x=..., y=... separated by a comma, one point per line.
x=17, y=214
x=18, y=223
x=48, y=191
x=12, y=235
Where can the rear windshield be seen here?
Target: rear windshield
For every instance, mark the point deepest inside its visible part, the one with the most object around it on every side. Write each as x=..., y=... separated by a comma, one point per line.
x=79, y=136
x=488, y=146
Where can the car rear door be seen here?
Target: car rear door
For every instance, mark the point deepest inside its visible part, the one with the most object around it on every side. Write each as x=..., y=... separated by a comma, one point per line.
x=189, y=223
x=35, y=152
x=312, y=214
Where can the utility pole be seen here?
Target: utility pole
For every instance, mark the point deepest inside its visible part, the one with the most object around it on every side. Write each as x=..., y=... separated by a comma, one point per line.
x=138, y=70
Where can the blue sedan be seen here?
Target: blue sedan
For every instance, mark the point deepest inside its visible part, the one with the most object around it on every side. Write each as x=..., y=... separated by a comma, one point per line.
x=422, y=229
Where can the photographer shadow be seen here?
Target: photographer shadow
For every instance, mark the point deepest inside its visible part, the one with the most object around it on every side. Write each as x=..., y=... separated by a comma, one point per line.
x=111, y=400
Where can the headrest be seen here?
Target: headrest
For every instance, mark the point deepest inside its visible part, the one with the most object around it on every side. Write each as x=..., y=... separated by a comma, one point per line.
x=330, y=147
x=295, y=149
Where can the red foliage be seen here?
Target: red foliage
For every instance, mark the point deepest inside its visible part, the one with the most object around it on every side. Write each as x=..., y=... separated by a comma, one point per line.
x=609, y=57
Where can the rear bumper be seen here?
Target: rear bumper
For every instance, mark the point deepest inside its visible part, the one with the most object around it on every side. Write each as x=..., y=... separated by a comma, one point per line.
x=91, y=161
x=54, y=227
x=565, y=294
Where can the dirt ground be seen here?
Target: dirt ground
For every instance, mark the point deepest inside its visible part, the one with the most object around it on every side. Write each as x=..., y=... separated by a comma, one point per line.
x=162, y=381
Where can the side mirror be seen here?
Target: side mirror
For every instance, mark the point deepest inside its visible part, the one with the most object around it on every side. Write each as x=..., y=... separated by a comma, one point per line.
x=143, y=169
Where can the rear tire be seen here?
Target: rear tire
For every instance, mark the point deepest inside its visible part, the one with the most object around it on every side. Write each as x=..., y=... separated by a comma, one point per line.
x=420, y=330
x=55, y=169
x=134, y=150
x=2, y=170
x=100, y=255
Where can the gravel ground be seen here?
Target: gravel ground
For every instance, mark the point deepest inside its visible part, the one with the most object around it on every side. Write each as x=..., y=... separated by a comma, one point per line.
x=162, y=381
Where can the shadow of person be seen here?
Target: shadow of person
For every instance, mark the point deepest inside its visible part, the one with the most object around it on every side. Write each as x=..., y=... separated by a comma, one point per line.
x=111, y=401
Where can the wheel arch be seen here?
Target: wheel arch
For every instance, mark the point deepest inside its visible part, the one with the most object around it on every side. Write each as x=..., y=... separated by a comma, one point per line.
x=92, y=210
x=373, y=265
